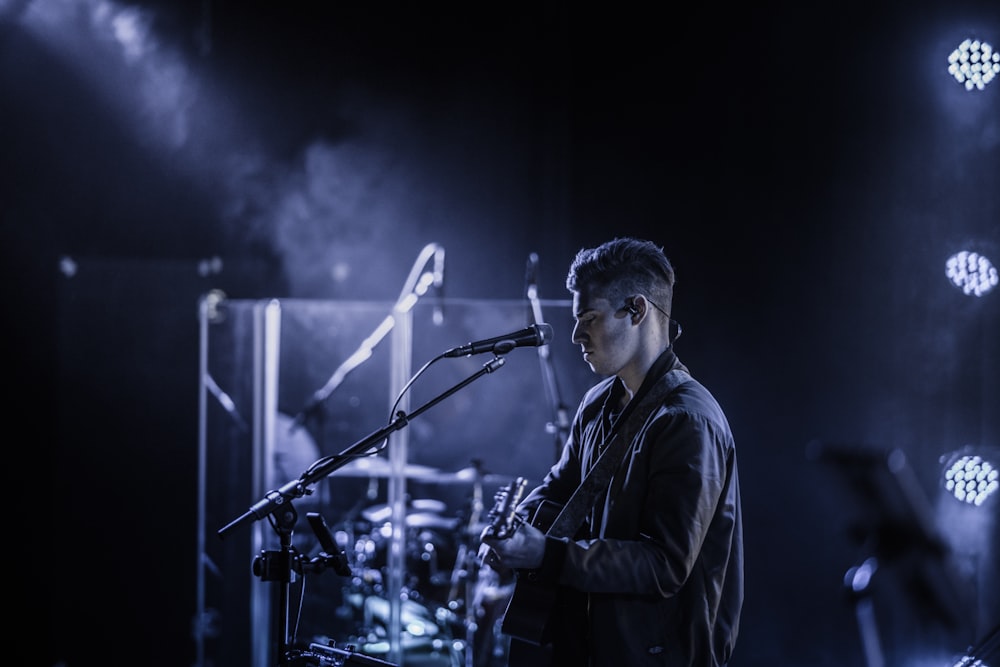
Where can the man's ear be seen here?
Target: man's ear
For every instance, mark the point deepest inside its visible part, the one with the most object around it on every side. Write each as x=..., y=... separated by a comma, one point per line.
x=634, y=307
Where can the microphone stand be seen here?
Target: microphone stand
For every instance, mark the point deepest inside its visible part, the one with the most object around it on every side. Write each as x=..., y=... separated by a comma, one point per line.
x=416, y=286
x=559, y=426
x=278, y=506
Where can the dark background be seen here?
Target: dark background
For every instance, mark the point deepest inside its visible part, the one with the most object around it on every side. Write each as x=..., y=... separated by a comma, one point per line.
x=808, y=170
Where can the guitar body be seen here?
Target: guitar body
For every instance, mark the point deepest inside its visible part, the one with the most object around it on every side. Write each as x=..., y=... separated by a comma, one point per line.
x=523, y=654
x=561, y=642
x=529, y=611
x=531, y=605
x=544, y=622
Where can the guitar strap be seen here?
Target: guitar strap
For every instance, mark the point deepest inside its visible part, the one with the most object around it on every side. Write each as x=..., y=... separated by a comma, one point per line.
x=580, y=503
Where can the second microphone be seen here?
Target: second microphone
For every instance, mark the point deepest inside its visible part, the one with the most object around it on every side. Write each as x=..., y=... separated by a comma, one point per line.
x=533, y=336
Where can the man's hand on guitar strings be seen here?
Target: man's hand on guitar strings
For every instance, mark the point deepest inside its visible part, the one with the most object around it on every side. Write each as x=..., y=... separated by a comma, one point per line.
x=523, y=549
x=488, y=558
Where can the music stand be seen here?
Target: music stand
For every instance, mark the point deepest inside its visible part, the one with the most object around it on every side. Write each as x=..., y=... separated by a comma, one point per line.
x=895, y=530
x=984, y=652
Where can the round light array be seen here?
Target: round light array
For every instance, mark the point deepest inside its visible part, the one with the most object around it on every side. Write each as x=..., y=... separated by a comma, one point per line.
x=972, y=479
x=972, y=273
x=974, y=64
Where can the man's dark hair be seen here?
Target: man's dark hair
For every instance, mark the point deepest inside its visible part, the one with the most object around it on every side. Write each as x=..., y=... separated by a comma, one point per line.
x=621, y=268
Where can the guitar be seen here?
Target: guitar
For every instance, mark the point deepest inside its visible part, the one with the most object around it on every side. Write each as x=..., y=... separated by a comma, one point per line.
x=529, y=610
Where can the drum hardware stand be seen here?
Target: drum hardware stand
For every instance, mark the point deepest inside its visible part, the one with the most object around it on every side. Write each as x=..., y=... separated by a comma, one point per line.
x=464, y=575
x=461, y=578
x=559, y=426
x=277, y=506
x=858, y=582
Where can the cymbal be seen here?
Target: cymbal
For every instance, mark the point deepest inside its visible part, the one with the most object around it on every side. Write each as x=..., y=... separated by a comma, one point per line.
x=412, y=614
x=470, y=475
x=420, y=513
x=428, y=505
x=429, y=520
x=418, y=520
x=374, y=466
x=423, y=506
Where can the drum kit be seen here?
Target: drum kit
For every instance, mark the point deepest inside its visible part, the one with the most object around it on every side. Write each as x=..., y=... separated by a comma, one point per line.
x=450, y=603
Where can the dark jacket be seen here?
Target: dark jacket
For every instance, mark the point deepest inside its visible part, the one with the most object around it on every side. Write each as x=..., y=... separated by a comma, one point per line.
x=655, y=576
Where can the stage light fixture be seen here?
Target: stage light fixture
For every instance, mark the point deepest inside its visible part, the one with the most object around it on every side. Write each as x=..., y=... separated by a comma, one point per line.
x=972, y=273
x=970, y=478
x=974, y=64
x=68, y=266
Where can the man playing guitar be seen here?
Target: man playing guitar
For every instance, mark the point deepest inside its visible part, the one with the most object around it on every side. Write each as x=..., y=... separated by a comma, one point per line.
x=636, y=560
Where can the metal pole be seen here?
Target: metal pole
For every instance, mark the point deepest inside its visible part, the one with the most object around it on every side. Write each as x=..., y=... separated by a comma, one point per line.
x=400, y=372
x=199, y=612
x=401, y=368
x=267, y=339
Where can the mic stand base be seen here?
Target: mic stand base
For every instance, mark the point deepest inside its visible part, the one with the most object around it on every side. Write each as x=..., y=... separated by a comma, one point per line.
x=319, y=655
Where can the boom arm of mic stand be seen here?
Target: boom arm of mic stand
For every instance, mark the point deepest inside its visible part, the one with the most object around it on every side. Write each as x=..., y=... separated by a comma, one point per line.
x=282, y=497
x=401, y=420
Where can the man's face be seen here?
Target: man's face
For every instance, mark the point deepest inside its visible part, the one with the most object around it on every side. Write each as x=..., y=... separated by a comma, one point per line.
x=603, y=331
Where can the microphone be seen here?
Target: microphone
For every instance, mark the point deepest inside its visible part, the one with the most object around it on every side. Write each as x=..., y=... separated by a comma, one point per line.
x=531, y=288
x=531, y=277
x=439, y=286
x=533, y=336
